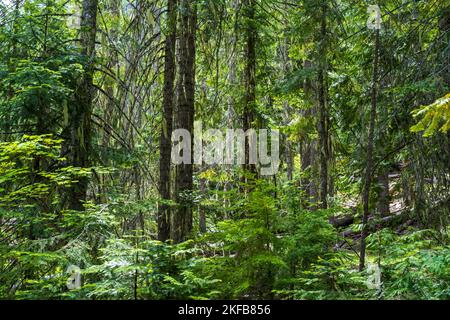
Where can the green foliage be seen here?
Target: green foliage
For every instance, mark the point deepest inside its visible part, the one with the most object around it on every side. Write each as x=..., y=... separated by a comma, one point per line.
x=435, y=117
x=39, y=69
x=310, y=235
x=147, y=269
x=332, y=276
x=19, y=164
x=38, y=238
x=415, y=265
x=248, y=262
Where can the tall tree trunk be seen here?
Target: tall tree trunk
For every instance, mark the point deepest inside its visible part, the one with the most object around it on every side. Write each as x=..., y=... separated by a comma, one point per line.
x=248, y=115
x=201, y=208
x=165, y=145
x=78, y=139
x=370, y=147
x=112, y=65
x=112, y=90
x=331, y=167
x=182, y=219
x=287, y=110
x=308, y=149
x=322, y=125
x=383, y=194
x=288, y=151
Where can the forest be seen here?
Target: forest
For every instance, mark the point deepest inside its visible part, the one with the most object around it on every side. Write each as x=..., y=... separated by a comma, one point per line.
x=224, y=149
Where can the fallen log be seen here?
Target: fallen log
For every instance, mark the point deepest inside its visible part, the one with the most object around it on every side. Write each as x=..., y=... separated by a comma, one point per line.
x=399, y=221
x=343, y=221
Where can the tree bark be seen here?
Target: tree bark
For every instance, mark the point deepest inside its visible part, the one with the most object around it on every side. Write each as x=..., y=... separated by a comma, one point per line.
x=287, y=109
x=165, y=144
x=370, y=147
x=182, y=219
x=383, y=194
x=308, y=151
x=202, y=209
x=113, y=65
x=78, y=133
x=248, y=115
x=322, y=126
